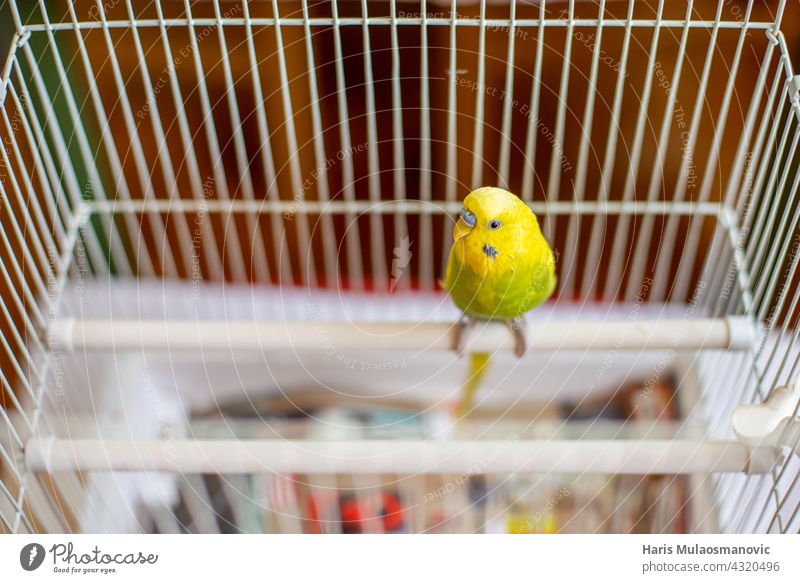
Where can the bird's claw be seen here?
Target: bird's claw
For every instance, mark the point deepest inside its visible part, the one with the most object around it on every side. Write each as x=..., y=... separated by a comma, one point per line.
x=517, y=327
x=460, y=335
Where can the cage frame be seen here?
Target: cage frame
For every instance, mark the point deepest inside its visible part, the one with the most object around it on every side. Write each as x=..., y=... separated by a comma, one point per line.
x=752, y=291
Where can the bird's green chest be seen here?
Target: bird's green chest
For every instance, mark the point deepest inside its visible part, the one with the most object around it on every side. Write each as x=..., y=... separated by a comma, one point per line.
x=504, y=286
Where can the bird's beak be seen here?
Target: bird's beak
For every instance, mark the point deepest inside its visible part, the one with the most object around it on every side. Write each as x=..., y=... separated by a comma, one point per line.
x=460, y=230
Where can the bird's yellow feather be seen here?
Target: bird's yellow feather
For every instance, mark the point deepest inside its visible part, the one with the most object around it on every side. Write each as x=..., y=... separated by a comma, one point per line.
x=500, y=266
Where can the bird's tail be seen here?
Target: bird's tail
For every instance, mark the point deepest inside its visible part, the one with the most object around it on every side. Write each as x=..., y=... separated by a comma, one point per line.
x=478, y=364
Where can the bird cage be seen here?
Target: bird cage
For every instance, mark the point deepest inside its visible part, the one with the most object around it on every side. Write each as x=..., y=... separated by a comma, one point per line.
x=223, y=230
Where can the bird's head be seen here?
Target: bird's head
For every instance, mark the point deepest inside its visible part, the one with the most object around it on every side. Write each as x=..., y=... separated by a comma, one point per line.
x=491, y=215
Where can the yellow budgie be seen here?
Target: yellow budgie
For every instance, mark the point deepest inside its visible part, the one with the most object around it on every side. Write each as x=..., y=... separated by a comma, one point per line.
x=500, y=267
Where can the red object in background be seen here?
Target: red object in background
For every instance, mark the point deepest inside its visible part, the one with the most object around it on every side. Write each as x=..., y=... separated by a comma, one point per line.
x=350, y=511
x=391, y=511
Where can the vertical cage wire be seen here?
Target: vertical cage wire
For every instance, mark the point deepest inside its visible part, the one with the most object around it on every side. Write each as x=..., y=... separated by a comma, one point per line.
x=159, y=249
x=41, y=227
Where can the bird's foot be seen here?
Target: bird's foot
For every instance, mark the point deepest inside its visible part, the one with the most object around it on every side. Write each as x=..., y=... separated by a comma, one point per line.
x=517, y=327
x=460, y=334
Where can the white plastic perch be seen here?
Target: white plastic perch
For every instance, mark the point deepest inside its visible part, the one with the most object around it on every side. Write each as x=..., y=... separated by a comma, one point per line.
x=404, y=457
x=721, y=334
x=772, y=423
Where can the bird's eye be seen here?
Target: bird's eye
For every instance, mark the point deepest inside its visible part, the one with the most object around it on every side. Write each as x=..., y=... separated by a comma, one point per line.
x=494, y=224
x=467, y=217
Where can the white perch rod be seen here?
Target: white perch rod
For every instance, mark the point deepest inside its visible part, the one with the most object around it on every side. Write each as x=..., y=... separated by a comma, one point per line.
x=404, y=457
x=710, y=334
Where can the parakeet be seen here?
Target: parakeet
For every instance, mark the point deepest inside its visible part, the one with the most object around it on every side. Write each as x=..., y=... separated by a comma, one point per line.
x=500, y=267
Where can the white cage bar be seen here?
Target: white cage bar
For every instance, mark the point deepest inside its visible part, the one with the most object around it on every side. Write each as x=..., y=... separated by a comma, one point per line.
x=621, y=456
x=116, y=335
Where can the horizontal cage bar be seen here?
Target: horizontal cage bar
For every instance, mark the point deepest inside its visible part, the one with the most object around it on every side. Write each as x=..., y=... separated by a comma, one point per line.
x=710, y=334
x=397, y=456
